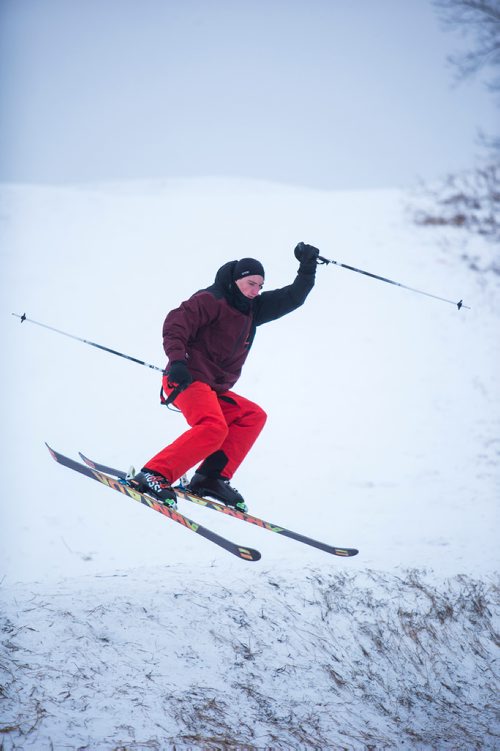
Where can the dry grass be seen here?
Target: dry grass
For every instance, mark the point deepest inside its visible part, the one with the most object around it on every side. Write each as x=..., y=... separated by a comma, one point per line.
x=345, y=660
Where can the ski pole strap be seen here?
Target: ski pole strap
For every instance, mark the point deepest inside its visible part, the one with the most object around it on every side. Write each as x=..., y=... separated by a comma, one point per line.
x=167, y=400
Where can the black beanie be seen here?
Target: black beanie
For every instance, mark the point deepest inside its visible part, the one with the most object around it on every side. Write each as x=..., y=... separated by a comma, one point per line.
x=247, y=267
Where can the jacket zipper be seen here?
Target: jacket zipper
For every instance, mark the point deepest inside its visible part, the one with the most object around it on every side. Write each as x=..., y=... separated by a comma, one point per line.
x=245, y=332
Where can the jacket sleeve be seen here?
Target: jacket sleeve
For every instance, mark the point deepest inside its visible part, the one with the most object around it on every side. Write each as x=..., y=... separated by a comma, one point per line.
x=278, y=302
x=182, y=324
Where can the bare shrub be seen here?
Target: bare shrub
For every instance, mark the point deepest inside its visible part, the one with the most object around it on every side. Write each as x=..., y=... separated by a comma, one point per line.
x=467, y=200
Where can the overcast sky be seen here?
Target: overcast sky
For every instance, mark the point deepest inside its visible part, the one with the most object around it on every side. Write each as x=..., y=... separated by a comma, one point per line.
x=325, y=93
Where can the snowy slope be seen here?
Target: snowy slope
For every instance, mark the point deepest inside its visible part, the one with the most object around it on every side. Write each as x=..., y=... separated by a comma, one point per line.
x=385, y=400
x=383, y=434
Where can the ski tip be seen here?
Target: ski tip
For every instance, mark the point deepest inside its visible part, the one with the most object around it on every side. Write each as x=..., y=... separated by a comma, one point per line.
x=87, y=461
x=52, y=452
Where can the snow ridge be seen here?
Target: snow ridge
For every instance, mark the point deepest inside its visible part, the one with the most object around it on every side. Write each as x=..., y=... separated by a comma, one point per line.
x=304, y=658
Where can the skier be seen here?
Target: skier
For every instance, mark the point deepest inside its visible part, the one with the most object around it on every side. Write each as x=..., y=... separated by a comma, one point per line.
x=207, y=340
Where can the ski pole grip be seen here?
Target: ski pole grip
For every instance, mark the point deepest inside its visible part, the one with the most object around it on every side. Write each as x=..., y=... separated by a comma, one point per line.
x=299, y=254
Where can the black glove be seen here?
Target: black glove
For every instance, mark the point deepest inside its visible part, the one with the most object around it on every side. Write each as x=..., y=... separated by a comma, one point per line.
x=308, y=257
x=178, y=374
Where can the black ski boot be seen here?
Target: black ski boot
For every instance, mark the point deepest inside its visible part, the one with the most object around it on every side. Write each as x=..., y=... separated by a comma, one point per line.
x=156, y=486
x=218, y=488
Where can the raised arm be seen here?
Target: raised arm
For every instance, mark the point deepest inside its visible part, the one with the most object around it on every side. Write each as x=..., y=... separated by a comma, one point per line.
x=278, y=302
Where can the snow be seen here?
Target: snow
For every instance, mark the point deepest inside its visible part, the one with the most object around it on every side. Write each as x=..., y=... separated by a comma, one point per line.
x=122, y=630
x=151, y=658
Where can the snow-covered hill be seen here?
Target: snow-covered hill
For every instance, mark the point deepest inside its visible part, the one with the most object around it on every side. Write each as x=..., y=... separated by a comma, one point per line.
x=176, y=657
x=383, y=434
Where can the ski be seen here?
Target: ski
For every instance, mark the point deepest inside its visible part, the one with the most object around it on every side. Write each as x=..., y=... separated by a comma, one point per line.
x=118, y=483
x=223, y=509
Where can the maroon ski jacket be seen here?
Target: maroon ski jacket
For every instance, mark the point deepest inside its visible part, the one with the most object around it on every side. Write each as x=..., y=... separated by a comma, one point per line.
x=214, y=330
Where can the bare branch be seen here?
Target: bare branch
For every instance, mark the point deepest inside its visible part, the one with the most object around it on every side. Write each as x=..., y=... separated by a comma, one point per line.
x=479, y=19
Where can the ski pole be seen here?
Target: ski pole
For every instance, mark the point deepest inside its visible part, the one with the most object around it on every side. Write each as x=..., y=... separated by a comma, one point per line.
x=322, y=260
x=86, y=341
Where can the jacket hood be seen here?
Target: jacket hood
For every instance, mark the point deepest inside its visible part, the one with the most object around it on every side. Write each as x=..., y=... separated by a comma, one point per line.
x=224, y=276
x=229, y=289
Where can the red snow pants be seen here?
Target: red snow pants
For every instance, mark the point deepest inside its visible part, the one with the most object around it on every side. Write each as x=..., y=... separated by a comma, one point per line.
x=223, y=429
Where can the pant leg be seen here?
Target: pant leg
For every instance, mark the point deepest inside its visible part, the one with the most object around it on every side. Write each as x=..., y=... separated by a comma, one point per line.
x=208, y=431
x=245, y=420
